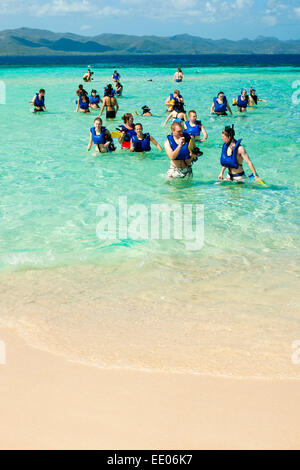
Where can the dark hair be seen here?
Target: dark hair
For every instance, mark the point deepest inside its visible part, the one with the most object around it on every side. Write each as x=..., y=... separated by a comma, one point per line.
x=42, y=90
x=98, y=119
x=230, y=132
x=126, y=117
x=138, y=124
x=221, y=93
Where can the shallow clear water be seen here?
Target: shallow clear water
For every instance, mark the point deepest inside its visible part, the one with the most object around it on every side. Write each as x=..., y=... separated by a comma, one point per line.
x=243, y=281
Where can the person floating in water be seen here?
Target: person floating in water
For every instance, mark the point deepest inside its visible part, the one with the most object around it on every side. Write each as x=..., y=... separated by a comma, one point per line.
x=142, y=142
x=253, y=98
x=38, y=101
x=83, y=104
x=220, y=105
x=127, y=131
x=88, y=76
x=116, y=76
x=146, y=111
x=95, y=100
x=118, y=88
x=110, y=103
x=181, y=150
x=178, y=76
x=242, y=101
x=174, y=102
x=101, y=138
x=232, y=157
x=194, y=128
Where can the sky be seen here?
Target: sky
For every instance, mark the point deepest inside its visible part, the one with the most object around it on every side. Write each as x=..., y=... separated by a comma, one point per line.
x=215, y=19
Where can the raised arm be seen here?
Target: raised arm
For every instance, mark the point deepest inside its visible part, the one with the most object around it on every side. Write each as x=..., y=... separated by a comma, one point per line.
x=154, y=142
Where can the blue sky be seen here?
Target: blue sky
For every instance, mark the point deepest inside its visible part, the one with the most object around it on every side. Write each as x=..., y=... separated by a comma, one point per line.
x=216, y=19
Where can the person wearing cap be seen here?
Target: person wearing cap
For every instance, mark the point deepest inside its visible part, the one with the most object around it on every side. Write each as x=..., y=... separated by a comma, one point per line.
x=232, y=157
x=253, y=98
x=146, y=111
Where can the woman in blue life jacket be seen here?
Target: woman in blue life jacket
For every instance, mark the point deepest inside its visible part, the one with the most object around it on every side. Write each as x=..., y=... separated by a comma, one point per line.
x=194, y=127
x=232, y=157
x=178, y=76
x=109, y=91
x=142, y=142
x=220, y=105
x=253, y=98
x=101, y=138
x=127, y=131
x=95, y=100
x=38, y=101
x=242, y=101
x=181, y=150
x=115, y=76
x=83, y=104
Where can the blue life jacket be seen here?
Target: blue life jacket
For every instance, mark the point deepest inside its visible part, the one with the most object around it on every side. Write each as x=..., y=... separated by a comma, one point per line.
x=193, y=130
x=94, y=99
x=141, y=145
x=184, y=153
x=178, y=105
x=230, y=162
x=220, y=108
x=129, y=133
x=112, y=94
x=116, y=76
x=39, y=103
x=242, y=104
x=82, y=104
x=99, y=139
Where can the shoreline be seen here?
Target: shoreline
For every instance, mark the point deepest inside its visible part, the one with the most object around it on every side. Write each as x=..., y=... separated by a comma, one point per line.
x=50, y=403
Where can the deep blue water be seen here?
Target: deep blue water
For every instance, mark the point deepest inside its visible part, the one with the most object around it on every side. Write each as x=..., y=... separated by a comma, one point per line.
x=214, y=60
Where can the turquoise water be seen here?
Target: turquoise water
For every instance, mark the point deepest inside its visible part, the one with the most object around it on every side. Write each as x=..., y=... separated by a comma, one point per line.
x=51, y=188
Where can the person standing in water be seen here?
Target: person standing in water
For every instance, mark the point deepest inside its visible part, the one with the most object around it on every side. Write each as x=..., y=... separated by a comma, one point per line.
x=175, y=102
x=142, y=142
x=110, y=103
x=178, y=76
x=95, y=100
x=38, y=101
x=232, y=157
x=220, y=105
x=242, y=101
x=100, y=137
x=253, y=98
x=119, y=88
x=127, y=131
x=83, y=104
x=179, y=147
x=194, y=128
x=88, y=76
x=116, y=76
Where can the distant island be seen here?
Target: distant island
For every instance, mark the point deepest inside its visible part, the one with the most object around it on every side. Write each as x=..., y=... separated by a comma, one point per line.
x=35, y=42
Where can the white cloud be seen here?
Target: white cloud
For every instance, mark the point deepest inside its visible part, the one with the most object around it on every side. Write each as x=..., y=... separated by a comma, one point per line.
x=270, y=20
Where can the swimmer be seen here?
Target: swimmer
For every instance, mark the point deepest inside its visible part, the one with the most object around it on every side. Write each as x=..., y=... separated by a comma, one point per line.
x=83, y=104
x=177, y=117
x=95, y=100
x=232, y=157
x=180, y=149
x=101, y=138
x=38, y=101
x=119, y=88
x=178, y=76
x=146, y=111
x=127, y=131
x=253, y=98
x=116, y=76
x=175, y=102
x=142, y=142
x=220, y=105
x=194, y=127
x=88, y=76
x=242, y=102
x=110, y=103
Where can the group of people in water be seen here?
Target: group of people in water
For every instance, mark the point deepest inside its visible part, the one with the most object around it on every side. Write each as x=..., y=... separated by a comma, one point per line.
x=186, y=129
